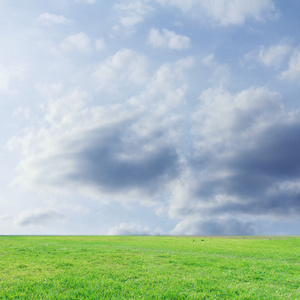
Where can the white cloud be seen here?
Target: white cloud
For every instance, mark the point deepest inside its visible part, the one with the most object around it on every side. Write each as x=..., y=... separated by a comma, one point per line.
x=87, y=1
x=126, y=65
x=79, y=41
x=229, y=12
x=274, y=55
x=8, y=75
x=283, y=56
x=38, y=217
x=235, y=12
x=293, y=71
x=49, y=19
x=168, y=39
x=222, y=116
x=131, y=13
x=132, y=229
x=169, y=84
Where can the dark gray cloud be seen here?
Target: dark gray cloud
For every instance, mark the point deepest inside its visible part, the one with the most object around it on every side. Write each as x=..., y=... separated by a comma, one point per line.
x=114, y=158
x=261, y=176
x=279, y=205
x=275, y=153
x=239, y=170
x=108, y=162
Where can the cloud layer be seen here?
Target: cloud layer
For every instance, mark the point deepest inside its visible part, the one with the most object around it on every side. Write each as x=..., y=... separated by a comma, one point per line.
x=225, y=13
x=177, y=115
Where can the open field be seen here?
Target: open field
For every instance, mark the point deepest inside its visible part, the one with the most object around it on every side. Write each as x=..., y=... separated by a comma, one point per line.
x=128, y=267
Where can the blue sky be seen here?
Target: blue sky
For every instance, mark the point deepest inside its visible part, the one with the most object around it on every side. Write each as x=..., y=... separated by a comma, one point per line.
x=150, y=117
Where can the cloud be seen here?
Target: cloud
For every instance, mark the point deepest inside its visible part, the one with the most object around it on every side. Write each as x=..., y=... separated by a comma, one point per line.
x=51, y=19
x=79, y=41
x=225, y=13
x=131, y=13
x=108, y=156
x=126, y=66
x=235, y=12
x=222, y=226
x=133, y=147
x=39, y=217
x=109, y=162
x=8, y=75
x=274, y=55
x=124, y=151
x=113, y=149
x=87, y=1
x=283, y=56
x=245, y=158
x=293, y=71
x=169, y=84
x=6, y=217
x=168, y=39
x=130, y=229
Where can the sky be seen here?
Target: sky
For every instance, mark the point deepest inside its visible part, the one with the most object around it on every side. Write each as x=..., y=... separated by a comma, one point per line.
x=150, y=117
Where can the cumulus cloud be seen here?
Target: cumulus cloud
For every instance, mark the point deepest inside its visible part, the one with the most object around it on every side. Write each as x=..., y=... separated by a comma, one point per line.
x=131, y=229
x=168, y=39
x=235, y=12
x=225, y=13
x=79, y=41
x=131, y=13
x=126, y=66
x=51, y=19
x=245, y=159
x=293, y=71
x=240, y=161
x=168, y=85
x=283, y=56
x=105, y=153
x=39, y=217
x=125, y=150
x=274, y=55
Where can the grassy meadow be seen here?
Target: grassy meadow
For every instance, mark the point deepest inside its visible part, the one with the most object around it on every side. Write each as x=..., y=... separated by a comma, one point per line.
x=150, y=267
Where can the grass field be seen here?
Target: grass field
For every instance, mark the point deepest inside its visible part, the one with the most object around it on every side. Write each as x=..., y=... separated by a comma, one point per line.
x=128, y=267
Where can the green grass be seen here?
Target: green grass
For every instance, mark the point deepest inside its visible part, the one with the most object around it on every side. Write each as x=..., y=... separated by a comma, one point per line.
x=127, y=267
